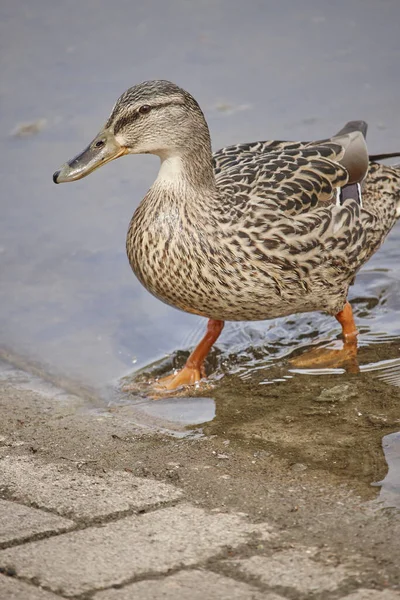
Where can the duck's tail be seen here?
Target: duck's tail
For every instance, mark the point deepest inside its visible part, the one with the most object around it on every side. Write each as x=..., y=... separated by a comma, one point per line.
x=382, y=186
x=387, y=177
x=377, y=157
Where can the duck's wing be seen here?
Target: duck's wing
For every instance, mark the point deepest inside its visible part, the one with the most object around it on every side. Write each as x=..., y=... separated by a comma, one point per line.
x=298, y=206
x=295, y=177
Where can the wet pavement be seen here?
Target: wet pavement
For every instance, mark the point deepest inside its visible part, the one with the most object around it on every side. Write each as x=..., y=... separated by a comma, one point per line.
x=72, y=311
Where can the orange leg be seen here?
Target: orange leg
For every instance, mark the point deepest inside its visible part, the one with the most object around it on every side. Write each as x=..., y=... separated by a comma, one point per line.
x=193, y=371
x=324, y=357
x=346, y=319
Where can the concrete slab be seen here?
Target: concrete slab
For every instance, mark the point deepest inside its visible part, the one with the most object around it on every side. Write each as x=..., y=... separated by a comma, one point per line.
x=18, y=522
x=188, y=585
x=295, y=569
x=67, y=491
x=13, y=589
x=155, y=542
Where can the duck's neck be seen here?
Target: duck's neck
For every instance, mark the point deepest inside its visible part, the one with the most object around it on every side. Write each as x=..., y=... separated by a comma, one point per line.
x=193, y=168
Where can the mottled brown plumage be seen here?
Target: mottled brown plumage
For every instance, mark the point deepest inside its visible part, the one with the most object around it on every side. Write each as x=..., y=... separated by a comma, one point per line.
x=255, y=231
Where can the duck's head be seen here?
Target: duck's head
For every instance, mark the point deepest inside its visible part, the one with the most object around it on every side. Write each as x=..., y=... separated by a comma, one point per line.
x=153, y=117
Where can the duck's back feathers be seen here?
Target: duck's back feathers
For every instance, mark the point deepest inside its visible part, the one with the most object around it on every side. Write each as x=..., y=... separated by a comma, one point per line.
x=295, y=179
x=307, y=199
x=298, y=175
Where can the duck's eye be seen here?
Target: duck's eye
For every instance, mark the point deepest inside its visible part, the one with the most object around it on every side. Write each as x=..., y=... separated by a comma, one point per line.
x=144, y=109
x=99, y=144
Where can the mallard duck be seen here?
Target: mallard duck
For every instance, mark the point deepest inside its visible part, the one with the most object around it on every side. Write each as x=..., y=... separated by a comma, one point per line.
x=252, y=232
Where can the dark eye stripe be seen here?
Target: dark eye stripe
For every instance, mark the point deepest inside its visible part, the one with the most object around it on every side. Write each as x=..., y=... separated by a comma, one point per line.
x=125, y=120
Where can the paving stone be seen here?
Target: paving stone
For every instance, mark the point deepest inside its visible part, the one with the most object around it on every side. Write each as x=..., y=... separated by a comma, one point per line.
x=99, y=557
x=364, y=594
x=12, y=589
x=68, y=492
x=188, y=585
x=18, y=522
x=295, y=569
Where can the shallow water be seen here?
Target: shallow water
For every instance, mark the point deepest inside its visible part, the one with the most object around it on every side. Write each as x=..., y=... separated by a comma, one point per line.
x=390, y=492
x=69, y=302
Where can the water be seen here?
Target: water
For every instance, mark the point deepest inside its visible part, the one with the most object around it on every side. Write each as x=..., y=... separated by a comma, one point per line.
x=390, y=492
x=264, y=70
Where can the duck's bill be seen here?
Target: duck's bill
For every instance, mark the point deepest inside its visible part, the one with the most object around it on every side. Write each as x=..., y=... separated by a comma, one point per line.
x=102, y=150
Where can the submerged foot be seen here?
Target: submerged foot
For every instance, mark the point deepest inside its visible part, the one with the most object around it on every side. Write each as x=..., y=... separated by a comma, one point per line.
x=194, y=369
x=177, y=383
x=184, y=377
x=345, y=357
